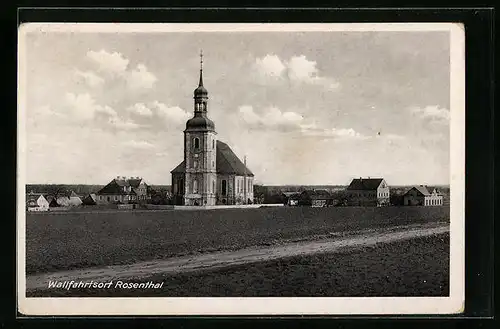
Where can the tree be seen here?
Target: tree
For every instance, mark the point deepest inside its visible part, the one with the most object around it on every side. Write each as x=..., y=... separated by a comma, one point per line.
x=56, y=191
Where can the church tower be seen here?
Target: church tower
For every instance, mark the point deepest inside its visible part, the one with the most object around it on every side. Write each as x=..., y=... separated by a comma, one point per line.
x=200, y=151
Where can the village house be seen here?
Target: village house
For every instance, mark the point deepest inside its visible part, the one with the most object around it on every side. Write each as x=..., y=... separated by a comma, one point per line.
x=90, y=200
x=124, y=190
x=210, y=173
x=315, y=198
x=420, y=196
x=36, y=202
x=74, y=199
x=368, y=192
x=291, y=198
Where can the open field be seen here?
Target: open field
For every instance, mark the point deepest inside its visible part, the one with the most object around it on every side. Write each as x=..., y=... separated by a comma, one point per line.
x=408, y=267
x=70, y=241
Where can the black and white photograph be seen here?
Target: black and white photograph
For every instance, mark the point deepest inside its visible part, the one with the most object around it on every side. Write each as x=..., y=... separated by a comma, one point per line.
x=193, y=166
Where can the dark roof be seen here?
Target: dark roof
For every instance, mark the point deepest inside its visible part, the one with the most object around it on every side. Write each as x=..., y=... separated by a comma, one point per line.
x=115, y=187
x=134, y=182
x=316, y=194
x=200, y=122
x=201, y=90
x=53, y=203
x=367, y=184
x=90, y=199
x=424, y=190
x=226, y=162
x=180, y=169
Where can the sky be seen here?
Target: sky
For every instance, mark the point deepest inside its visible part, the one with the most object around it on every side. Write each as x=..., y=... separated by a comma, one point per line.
x=303, y=107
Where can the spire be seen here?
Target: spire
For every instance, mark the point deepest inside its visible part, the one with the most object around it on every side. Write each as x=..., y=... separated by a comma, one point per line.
x=200, y=84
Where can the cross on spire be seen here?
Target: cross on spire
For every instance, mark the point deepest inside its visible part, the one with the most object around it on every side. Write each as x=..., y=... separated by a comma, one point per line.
x=201, y=59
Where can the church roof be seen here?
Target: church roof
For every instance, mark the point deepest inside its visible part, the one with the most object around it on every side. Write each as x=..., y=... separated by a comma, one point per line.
x=226, y=162
x=200, y=122
x=365, y=184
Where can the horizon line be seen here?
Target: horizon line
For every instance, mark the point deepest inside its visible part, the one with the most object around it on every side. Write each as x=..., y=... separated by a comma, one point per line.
x=273, y=184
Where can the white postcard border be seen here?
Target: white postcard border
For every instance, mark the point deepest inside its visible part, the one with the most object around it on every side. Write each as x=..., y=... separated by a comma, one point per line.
x=268, y=305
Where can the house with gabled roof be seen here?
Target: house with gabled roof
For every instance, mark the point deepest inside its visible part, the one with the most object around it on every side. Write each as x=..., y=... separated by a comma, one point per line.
x=210, y=173
x=36, y=202
x=124, y=190
x=74, y=199
x=315, y=198
x=368, y=192
x=422, y=195
x=90, y=200
x=291, y=198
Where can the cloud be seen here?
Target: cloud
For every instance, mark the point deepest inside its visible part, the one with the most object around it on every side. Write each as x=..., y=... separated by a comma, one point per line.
x=171, y=114
x=140, y=78
x=270, y=65
x=140, y=109
x=90, y=78
x=109, y=62
x=84, y=107
x=337, y=133
x=139, y=144
x=118, y=66
x=125, y=124
x=297, y=69
x=433, y=113
x=273, y=118
x=270, y=117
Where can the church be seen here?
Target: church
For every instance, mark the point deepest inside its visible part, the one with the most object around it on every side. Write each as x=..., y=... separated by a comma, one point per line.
x=211, y=174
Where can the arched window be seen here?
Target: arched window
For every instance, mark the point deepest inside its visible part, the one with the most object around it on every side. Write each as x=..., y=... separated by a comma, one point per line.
x=224, y=187
x=213, y=143
x=195, y=186
x=213, y=186
x=196, y=143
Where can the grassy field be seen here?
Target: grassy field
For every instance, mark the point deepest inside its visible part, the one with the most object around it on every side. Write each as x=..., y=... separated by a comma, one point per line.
x=416, y=267
x=72, y=240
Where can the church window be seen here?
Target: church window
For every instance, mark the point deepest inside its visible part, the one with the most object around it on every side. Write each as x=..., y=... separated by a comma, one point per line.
x=224, y=187
x=195, y=164
x=213, y=143
x=196, y=143
x=195, y=186
x=213, y=186
x=213, y=164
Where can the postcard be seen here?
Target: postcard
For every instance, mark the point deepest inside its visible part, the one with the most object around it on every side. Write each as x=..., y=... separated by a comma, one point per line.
x=241, y=169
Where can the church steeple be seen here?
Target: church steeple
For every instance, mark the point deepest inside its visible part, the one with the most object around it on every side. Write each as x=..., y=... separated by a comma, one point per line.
x=200, y=93
x=200, y=119
x=200, y=84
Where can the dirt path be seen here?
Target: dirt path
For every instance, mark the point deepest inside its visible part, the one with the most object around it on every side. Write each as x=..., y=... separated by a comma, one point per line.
x=248, y=255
